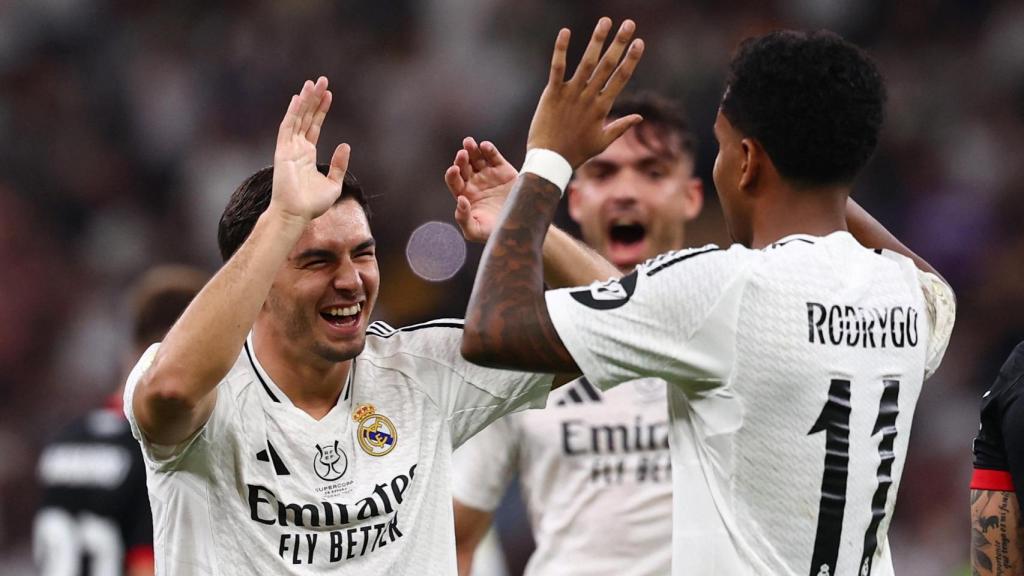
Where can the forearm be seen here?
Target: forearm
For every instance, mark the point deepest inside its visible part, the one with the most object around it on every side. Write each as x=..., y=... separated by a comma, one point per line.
x=174, y=397
x=870, y=232
x=507, y=322
x=568, y=262
x=997, y=541
x=471, y=525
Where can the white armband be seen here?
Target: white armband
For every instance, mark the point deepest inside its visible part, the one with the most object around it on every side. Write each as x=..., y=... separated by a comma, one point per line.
x=549, y=165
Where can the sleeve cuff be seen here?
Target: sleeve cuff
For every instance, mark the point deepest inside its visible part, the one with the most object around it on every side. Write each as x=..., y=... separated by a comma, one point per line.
x=999, y=480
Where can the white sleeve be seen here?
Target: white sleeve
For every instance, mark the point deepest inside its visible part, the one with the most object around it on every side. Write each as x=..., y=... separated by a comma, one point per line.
x=159, y=456
x=484, y=465
x=673, y=318
x=941, y=304
x=471, y=396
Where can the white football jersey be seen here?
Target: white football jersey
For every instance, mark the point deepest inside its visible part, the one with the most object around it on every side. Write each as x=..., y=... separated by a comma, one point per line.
x=589, y=462
x=263, y=488
x=793, y=375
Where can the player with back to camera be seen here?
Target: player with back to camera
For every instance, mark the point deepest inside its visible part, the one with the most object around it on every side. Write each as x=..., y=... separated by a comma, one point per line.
x=285, y=434
x=590, y=456
x=997, y=533
x=794, y=358
x=94, y=519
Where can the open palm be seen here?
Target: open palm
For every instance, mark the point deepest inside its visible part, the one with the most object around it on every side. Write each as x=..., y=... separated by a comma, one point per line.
x=300, y=189
x=480, y=180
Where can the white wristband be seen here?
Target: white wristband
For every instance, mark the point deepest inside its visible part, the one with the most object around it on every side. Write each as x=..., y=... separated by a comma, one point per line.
x=549, y=165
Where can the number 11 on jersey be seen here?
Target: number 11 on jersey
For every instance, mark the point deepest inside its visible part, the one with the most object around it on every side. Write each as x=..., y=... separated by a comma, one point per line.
x=834, y=421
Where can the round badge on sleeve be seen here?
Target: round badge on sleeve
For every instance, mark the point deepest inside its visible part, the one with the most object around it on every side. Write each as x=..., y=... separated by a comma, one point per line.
x=376, y=434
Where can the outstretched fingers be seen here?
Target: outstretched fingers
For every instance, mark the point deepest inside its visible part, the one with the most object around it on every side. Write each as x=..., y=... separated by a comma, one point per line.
x=339, y=163
x=625, y=70
x=611, y=57
x=620, y=126
x=311, y=95
x=491, y=154
x=313, y=133
x=290, y=123
x=593, y=52
x=476, y=158
x=453, y=179
x=557, y=74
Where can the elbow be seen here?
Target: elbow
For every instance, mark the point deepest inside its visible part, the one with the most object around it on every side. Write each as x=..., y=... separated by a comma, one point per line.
x=166, y=393
x=477, y=346
x=473, y=348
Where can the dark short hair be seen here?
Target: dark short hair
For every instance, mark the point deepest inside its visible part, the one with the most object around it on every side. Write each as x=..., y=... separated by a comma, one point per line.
x=253, y=197
x=663, y=119
x=159, y=297
x=814, y=101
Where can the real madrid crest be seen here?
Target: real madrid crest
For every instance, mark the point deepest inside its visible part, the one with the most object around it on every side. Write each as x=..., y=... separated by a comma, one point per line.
x=376, y=434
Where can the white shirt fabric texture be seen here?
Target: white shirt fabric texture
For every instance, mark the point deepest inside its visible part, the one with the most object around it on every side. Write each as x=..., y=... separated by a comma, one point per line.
x=263, y=488
x=774, y=358
x=595, y=472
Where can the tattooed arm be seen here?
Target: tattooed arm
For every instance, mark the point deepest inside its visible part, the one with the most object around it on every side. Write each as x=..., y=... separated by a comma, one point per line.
x=507, y=322
x=997, y=535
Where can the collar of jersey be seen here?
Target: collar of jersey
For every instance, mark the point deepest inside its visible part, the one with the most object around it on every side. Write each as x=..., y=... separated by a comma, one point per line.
x=273, y=391
x=806, y=238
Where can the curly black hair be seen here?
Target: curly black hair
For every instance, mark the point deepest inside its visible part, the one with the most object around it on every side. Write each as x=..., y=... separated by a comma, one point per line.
x=813, y=100
x=253, y=197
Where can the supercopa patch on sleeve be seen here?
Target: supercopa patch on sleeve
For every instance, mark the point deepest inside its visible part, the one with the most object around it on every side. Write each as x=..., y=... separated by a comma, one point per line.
x=607, y=295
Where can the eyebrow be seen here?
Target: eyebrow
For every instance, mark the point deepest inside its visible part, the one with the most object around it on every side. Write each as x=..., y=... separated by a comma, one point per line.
x=322, y=253
x=316, y=253
x=368, y=243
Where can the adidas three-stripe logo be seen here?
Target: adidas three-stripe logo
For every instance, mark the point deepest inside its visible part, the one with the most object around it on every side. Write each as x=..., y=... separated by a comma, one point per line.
x=580, y=392
x=270, y=455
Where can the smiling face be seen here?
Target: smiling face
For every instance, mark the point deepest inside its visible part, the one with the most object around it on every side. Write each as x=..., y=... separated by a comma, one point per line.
x=322, y=298
x=632, y=200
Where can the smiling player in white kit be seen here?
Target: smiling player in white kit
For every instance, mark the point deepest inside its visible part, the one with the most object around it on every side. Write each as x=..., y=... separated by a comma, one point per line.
x=589, y=456
x=281, y=433
x=794, y=358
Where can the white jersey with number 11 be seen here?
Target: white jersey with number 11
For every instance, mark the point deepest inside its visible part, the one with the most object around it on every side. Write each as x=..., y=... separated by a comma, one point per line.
x=793, y=375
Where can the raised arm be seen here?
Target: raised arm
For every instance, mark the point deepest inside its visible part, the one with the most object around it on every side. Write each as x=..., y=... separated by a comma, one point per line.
x=507, y=322
x=174, y=398
x=480, y=180
x=870, y=232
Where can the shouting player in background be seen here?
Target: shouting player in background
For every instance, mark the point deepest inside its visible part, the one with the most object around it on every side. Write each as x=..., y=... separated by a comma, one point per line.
x=95, y=518
x=592, y=455
x=794, y=358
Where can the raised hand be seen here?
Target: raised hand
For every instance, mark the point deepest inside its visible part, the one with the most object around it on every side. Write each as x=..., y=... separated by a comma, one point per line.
x=300, y=190
x=479, y=179
x=570, y=117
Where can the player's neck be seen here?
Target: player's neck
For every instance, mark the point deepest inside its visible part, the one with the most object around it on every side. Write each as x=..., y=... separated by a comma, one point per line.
x=311, y=383
x=786, y=212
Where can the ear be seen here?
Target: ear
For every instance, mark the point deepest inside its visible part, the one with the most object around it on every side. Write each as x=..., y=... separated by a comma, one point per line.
x=694, y=195
x=750, y=170
x=573, y=193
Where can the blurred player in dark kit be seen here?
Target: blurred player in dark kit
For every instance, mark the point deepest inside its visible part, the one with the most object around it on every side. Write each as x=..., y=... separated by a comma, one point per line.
x=997, y=530
x=95, y=519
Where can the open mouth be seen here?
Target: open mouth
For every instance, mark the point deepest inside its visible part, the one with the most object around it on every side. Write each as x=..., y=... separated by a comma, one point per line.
x=626, y=233
x=342, y=315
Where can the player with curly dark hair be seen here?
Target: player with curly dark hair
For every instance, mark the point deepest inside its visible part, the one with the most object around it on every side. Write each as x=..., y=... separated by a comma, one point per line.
x=814, y=101
x=794, y=359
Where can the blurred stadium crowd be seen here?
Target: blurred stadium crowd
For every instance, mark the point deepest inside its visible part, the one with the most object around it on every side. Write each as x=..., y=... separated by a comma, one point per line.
x=126, y=125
